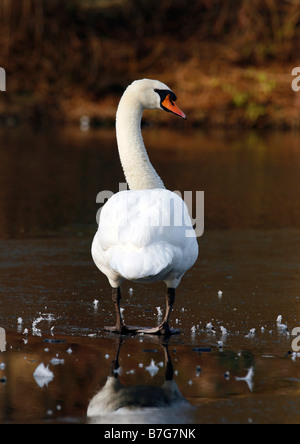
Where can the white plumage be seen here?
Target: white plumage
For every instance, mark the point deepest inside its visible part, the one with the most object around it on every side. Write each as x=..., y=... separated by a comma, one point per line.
x=145, y=234
x=142, y=238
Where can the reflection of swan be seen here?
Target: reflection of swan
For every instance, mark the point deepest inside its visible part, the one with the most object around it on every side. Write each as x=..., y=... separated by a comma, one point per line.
x=141, y=403
x=145, y=234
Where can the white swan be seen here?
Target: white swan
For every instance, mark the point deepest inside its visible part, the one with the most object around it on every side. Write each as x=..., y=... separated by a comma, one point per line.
x=145, y=233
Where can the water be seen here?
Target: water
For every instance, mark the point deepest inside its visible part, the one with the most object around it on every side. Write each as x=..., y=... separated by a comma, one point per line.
x=249, y=252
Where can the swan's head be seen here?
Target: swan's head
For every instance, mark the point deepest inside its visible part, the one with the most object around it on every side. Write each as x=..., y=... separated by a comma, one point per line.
x=153, y=94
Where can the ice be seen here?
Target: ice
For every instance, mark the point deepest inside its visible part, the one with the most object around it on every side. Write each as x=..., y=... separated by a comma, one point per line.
x=48, y=317
x=95, y=303
x=220, y=294
x=159, y=312
x=43, y=375
x=281, y=326
x=36, y=331
x=251, y=333
x=248, y=378
x=152, y=368
x=210, y=328
x=43, y=317
x=55, y=361
x=20, y=321
x=223, y=330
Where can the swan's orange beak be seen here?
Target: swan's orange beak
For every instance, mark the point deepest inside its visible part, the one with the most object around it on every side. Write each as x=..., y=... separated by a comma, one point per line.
x=171, y=106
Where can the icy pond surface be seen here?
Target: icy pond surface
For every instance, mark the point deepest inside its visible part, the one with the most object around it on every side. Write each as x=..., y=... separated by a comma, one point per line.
x=233, y=361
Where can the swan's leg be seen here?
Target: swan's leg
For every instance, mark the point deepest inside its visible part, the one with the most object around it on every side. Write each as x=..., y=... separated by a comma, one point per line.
x=164, y=328
x=116, y=298
x=120, y=326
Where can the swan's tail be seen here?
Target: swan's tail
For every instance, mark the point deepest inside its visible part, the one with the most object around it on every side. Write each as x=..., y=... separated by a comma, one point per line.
x=153, y=262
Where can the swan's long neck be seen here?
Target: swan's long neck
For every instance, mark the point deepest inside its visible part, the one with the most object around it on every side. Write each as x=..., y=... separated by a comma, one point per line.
x=139, y=172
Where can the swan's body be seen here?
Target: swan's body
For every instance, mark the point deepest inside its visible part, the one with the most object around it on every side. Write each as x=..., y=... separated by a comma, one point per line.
x=138, y=241
x=145, y=234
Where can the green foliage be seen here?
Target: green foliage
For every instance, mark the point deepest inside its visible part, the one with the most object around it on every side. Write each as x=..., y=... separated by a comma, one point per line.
x=240, y=99
x=254, y=111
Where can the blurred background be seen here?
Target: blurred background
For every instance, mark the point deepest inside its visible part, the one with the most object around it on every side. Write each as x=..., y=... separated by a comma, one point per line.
x=230, y=61
x=230, y=64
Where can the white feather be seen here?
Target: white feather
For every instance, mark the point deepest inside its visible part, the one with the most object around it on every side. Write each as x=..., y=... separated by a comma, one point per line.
x=142, y=236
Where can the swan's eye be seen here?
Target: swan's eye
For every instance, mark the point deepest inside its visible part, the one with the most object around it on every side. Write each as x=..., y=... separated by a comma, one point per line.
x=164, y=93
x=173, y=98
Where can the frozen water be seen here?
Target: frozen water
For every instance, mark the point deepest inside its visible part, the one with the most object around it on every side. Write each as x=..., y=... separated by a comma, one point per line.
x=43, y=375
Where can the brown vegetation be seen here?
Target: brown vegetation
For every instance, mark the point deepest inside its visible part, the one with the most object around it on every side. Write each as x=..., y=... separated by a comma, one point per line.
x=229, y=61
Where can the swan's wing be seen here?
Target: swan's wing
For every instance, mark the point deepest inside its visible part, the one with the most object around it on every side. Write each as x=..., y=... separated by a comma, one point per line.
x=144, y=233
